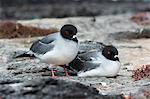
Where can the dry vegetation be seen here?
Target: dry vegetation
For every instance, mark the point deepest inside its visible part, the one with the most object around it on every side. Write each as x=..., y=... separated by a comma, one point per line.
x=140, y=73
x=11, y=29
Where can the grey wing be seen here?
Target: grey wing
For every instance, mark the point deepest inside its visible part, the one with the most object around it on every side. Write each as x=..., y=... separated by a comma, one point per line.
x=50, y=38
x=89, y=66
x=44, y=45
x=83, y=62
x=79, y=65
x=87, y=56
x=88, y=63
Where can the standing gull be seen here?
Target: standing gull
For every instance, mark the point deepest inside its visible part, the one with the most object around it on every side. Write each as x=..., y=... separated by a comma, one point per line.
x=57, y=49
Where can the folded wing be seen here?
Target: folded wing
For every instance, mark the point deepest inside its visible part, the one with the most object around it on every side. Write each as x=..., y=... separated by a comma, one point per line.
x=44, y=45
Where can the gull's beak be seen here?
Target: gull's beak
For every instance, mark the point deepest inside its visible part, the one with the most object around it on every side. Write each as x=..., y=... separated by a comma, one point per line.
x=116, y=57
x=75, y=36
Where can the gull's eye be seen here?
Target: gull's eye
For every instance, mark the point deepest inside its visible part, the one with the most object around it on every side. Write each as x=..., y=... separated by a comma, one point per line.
x=108, y=52
x=66, y=32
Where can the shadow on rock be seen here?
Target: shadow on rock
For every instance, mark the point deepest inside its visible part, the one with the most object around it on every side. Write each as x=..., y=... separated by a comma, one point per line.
x=52, y=89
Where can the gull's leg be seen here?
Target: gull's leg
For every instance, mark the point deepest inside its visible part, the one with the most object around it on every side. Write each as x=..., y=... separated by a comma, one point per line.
x=66, y=71
x=53, y=73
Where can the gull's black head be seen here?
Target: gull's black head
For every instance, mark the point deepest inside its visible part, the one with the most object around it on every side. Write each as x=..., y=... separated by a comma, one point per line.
x=110, y=52
x=68, y=31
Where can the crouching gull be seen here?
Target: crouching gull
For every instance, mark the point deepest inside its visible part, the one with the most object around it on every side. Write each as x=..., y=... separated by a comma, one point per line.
x=103, y=62
x=56, y=49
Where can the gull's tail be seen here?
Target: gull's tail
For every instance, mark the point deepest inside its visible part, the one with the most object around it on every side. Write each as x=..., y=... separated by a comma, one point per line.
x=26, y=54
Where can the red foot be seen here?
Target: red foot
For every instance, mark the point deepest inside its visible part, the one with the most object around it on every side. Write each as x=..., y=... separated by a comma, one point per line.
x=55, y=76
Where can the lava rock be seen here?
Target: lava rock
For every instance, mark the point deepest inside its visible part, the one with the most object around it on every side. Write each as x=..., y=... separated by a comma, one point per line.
x=51, y=89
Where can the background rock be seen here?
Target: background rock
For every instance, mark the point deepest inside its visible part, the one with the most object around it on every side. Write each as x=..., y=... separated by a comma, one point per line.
x=33, y=9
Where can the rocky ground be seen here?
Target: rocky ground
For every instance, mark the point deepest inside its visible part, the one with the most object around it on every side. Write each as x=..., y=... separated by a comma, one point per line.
x=25, y=77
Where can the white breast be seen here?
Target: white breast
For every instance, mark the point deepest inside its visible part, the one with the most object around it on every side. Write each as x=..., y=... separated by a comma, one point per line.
x=111, y=68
